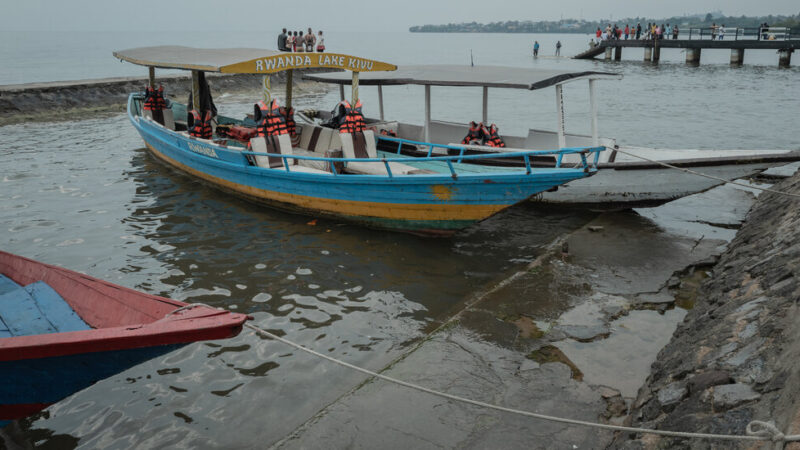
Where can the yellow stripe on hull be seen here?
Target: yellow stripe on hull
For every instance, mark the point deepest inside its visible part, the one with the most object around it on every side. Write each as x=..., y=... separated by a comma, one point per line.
x=336, y=207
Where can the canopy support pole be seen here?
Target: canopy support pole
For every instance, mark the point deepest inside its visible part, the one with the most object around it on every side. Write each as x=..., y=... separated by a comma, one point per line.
x=380, y=99
x=152, y=76
x=341, y=92
x=196, y=91
x=355, y=89
x=289, y=78
x=562, y=140
x=427, y=113
x=593, y=100
x=486, y=104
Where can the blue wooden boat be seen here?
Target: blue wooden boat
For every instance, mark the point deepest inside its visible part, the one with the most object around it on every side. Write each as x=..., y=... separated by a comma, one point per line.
x=62, y=331
x=380, y=190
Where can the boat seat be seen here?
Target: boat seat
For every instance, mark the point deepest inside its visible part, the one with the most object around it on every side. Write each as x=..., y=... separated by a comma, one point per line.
x=169, y=119
x=316, y=138
x=34, y=309
x=362, y=145
x=281, y=144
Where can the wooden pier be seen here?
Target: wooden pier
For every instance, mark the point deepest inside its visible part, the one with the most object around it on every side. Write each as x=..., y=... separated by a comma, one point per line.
x=738, y=41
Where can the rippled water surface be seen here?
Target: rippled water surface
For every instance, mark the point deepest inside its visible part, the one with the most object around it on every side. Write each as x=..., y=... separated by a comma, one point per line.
x=87, y=196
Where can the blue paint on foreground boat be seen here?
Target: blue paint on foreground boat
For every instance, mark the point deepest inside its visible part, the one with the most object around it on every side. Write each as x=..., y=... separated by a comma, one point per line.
x=48, y=380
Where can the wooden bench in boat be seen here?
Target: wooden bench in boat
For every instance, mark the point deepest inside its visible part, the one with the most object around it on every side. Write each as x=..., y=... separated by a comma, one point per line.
x=34, y=309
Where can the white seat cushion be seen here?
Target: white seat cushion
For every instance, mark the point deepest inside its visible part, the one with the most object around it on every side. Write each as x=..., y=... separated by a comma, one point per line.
x=378, y=168
x=169, y=119
x=259, y=145
x=305, y=169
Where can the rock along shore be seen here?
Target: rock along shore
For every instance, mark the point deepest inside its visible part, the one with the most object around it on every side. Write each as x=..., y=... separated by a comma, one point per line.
x=68, y=100
x=735, y=357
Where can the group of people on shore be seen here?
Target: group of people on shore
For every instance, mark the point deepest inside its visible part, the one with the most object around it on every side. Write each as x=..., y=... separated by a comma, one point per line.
x=295, y=41
x=652, y=31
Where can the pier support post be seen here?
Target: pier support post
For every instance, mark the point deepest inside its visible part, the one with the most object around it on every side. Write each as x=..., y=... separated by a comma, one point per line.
x=784, y=57
x=593, y=100
x=737, y=56
x=485, y=114
x=562, y=138
x=341, y=92
x=617, y=53
x=427, y=113
x=380, y=99
x=152, y=76
x=608, y=53
x=196, y=91
x=656, y=53
x=648, y=53
x=693, y=56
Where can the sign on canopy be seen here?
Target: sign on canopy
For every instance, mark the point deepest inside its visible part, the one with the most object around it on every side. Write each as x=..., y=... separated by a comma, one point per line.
x=281, y=62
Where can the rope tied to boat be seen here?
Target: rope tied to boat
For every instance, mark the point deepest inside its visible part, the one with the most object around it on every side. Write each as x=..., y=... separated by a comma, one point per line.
x=756, y=430
x=188, y=307
x=694, y=172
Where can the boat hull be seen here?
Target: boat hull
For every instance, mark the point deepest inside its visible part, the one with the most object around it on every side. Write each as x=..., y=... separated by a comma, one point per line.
x=612, y=189
x=125, y=328
x=431, y=204
x=31, y=385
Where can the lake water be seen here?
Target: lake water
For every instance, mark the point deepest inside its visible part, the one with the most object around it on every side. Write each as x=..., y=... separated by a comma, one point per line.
x=85, y=195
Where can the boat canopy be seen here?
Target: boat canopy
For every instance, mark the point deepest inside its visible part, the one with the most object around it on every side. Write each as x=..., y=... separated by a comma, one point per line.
x=457, y=75
x=244, y=60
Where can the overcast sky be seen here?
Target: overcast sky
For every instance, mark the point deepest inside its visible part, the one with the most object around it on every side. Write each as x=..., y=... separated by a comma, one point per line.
x=343, y=15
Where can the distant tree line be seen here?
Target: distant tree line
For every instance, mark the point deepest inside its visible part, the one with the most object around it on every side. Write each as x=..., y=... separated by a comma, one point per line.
x=584, y=26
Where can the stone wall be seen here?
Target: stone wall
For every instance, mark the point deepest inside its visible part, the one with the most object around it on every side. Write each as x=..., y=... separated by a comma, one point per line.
x=736, y=356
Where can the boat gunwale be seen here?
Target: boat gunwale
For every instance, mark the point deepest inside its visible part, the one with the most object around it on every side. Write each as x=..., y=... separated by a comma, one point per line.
x=198, y=323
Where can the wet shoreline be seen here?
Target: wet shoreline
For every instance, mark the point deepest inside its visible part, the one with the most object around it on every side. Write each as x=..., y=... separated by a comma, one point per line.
x=81, y=99
x=734, y=359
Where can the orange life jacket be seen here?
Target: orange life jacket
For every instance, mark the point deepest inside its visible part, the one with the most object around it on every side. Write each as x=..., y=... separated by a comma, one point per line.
x=276, y=122
x=261, y=127
x=475, y=133
x=202, y=125
x=161, y=103
x=291, y=126
x=353, y=119
x=154, y=99
x=492, y=138
x=149, y=99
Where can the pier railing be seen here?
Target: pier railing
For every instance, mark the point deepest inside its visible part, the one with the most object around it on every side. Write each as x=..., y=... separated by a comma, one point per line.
x=739, y=34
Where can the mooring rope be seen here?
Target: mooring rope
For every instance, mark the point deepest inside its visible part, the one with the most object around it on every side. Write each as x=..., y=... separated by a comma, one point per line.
x=756, y=430
x=683, y=169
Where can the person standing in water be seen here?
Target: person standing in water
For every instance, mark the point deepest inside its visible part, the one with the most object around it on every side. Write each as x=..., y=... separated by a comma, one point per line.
x=536, y=48
x=558, y=48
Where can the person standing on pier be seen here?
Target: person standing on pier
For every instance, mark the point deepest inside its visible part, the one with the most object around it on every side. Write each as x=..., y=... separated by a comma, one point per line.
x=310, y=40
x=668, y=31
x=282, y=41
x=722, y=32
x=320, y=42
x=627, y=31
x=713, y=31
x=558, y=48
x=638, y=31
x=535, y=49
x=675, y=32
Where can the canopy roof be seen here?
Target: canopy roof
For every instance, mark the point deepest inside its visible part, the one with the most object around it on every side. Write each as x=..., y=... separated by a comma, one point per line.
x=453, y=75
x=243, y=60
